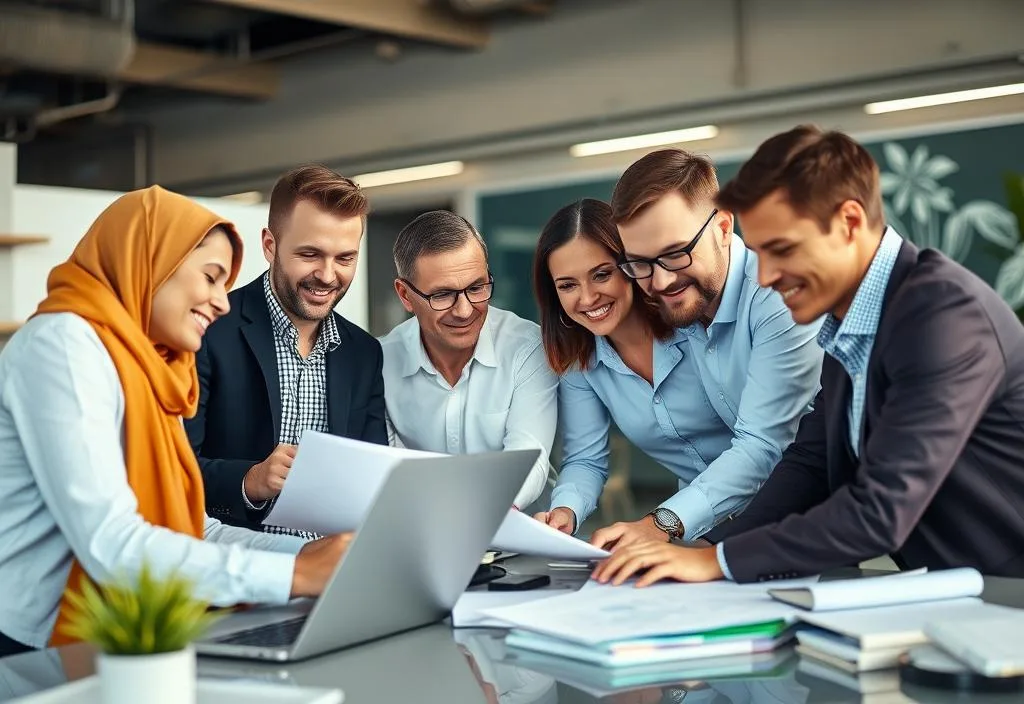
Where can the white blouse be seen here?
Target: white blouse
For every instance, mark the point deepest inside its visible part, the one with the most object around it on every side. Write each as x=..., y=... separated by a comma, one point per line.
x=65, y=494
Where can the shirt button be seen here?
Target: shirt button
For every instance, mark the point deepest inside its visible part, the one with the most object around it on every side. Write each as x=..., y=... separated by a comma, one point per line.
x=711, y=350
x=657, y=399
x=721, y=396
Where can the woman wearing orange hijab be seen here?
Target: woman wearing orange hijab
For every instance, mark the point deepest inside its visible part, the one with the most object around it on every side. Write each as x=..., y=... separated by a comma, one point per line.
x=96, y=472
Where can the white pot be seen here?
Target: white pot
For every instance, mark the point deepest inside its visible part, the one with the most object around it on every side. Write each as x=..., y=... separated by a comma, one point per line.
x=166, y=678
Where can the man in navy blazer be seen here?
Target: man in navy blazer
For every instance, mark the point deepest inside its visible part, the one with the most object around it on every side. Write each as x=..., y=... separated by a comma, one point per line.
x=282, y=361
x=915, y=445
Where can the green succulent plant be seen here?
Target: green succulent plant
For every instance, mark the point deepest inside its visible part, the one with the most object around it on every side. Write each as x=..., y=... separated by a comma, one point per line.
x=141, y=617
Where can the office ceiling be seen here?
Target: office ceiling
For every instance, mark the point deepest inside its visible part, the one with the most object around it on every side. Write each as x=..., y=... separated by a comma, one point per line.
x=64, y=63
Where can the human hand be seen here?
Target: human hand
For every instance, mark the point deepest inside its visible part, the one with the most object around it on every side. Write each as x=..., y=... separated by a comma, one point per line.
x=316, y=561
x=662, y=561
x=625, y=533
x=559, y=518
x=265, y=480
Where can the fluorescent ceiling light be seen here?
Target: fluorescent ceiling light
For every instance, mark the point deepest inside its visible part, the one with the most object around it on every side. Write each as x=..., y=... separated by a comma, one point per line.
x=642, y=141
x=248, y=197
x=413, y=173
x=927, y=101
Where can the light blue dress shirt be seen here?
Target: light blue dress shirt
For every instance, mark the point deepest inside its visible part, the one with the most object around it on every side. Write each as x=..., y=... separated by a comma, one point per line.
x=725, y=402
x=851, y=339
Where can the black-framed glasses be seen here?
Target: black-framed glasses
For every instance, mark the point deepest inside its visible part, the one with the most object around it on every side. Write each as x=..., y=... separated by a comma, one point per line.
x=676, y=260
x=443, y=300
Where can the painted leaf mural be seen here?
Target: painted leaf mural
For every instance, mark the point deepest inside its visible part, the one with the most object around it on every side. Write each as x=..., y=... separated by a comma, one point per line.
x=922, y=207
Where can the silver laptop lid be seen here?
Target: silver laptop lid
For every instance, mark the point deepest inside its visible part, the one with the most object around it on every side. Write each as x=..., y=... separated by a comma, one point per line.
x=417, y=549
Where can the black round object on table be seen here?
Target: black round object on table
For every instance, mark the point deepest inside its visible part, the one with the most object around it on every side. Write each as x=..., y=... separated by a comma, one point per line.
x=931, y=667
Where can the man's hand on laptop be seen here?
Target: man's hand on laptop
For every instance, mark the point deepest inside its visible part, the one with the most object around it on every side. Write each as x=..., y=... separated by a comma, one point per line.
x=315, y=563
x=266, y=479
x=559, y=518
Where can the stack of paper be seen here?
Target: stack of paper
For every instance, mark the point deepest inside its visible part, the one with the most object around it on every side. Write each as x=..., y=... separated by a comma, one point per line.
x=624, y=627
x=868, y=640
x=736, y=640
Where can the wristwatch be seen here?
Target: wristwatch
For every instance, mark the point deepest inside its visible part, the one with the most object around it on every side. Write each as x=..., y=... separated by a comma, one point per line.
x=668, y=521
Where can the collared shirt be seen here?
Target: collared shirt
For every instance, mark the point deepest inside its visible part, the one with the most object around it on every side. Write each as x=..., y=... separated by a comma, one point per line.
x=66, y=493
x=506, y=398
x=851, y=339
x=725, y=402
x=303, y=382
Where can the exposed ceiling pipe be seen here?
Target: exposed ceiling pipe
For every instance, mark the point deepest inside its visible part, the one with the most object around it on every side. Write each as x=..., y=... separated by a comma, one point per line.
x=50, y=117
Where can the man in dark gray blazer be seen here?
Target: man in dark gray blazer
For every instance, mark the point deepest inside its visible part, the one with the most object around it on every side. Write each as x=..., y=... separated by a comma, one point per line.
x=915, y=447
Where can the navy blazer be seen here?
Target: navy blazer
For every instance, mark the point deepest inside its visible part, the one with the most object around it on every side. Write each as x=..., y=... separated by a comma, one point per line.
x=239, y=417
x=939, y=482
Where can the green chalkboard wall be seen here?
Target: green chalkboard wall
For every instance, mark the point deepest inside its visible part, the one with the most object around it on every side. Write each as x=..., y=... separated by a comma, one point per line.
x=946, y=190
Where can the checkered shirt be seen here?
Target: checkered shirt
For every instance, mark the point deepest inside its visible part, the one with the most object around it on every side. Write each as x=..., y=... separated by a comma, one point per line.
x=303, y=381
x=850, y=340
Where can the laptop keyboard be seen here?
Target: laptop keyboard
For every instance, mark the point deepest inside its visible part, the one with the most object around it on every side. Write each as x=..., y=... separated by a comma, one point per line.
x=270, y=636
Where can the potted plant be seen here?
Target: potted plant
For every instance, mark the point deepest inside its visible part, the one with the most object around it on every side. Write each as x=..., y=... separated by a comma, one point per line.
x=143, y=629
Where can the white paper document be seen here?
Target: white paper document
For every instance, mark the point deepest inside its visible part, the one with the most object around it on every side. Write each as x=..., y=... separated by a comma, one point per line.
x=468, y=611
x=524, y=534
x=602, y=613
x=333, y=482
x=901, y=625
x=884, y=591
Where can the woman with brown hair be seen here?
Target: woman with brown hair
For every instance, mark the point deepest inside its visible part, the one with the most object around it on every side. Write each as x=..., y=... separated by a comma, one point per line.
x=600, y=331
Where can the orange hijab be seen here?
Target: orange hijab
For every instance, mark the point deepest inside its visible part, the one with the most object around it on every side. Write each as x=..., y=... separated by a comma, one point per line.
x=134, y=246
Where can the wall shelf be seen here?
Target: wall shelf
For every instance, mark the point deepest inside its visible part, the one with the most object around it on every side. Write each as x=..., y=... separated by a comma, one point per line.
x=9, y=327
x=15, y=240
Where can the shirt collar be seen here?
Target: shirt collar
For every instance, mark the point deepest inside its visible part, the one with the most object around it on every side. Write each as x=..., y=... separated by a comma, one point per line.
x=729, y=306
x=284, y=328
x=416, y=354
x=866, y=309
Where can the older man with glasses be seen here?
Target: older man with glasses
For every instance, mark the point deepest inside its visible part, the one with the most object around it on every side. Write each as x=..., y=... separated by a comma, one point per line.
x=461, y=375
x=731, y=385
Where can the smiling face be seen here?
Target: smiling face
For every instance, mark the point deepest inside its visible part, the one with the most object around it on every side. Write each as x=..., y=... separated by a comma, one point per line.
x=666, y=226
x=593, y=291
x=815, y=272
x=312, y=260
x=457, y=329
x=194, y=296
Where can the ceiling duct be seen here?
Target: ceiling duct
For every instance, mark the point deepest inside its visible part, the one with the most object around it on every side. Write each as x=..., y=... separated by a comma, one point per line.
x=58, y=41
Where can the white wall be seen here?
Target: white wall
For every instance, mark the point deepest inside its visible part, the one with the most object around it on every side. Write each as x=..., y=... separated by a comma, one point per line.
x=65, y=214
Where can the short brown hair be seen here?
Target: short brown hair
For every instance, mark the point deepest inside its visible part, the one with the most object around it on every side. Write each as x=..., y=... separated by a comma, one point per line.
x=326, y=189
x=817, y=172
x=571, y=345
x=659, y=173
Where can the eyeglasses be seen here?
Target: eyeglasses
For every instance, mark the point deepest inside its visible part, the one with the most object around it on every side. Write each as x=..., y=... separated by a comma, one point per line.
x=676, y=260
x=443, y=300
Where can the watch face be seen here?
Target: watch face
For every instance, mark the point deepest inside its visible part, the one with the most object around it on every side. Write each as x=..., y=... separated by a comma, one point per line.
x=666, y=520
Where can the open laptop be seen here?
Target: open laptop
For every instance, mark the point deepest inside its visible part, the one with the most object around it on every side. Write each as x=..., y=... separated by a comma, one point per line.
x=411, y=559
